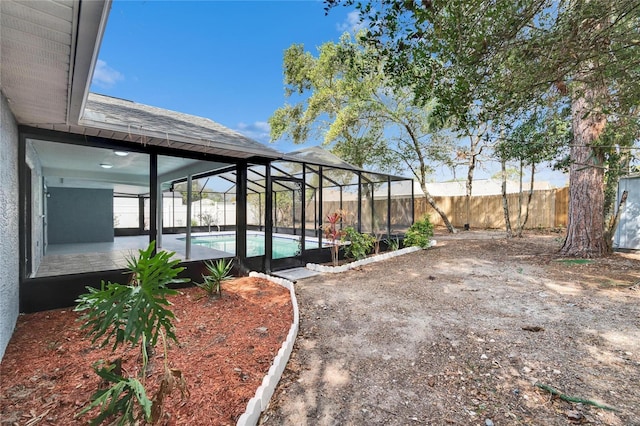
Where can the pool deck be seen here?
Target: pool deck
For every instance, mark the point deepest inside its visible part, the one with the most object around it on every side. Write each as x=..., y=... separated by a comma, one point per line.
x=62, y=259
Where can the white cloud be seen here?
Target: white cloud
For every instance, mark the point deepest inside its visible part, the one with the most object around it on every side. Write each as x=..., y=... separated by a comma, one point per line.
x=259, y=131
x=104, y=76
x=352, y=24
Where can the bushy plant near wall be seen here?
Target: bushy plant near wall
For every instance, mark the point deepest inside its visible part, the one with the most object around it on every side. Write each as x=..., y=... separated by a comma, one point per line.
x=137, y=313
x=419, y=234
x=360, y=245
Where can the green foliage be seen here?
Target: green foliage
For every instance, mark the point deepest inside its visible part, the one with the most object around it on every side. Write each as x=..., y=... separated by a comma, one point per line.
x=333, y=234
x=512, y=57
x=348, y=101
x=393, y=243
x=218, y=272
x=118, y=400
x=419, y=234
x=197, y=191
x=128, y=313
x=575, y=261
x=359, y=244
x=347, y=97
x=542, y=136
x=136, y=313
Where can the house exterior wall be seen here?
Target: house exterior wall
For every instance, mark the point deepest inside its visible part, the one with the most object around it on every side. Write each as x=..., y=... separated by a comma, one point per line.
x=78, y=215
x=37, y=206
x=627, y=234
x=9, y=218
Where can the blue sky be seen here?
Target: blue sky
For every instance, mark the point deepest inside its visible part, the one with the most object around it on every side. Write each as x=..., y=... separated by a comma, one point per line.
x=220, y=59
x=216, y=59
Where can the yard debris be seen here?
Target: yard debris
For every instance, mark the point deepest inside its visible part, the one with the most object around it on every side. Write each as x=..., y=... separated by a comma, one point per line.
x=575, y=399
x=533, y=328
x=575, y=416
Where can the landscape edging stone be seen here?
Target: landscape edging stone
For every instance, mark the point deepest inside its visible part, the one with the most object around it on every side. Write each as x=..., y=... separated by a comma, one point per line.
x=260, y=401
x=361, y=262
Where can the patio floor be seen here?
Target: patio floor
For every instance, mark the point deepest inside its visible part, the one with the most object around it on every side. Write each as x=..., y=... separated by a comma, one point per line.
x=62, y=259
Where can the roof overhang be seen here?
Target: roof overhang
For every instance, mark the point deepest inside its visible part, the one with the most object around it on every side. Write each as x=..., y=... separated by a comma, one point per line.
x=48, y=50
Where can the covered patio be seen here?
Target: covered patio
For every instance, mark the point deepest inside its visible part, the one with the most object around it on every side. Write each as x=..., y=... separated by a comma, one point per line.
x=131, y=174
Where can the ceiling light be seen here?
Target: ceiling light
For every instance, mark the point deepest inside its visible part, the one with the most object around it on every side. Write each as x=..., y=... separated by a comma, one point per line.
x=121, y=153
x=106, y=165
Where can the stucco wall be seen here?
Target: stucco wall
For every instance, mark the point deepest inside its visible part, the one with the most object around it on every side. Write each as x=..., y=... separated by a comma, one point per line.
x=9, y=278
x=37, y=206
x=78, y=215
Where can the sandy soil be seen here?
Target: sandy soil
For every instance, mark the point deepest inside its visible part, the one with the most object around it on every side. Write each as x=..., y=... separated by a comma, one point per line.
x=461, y=334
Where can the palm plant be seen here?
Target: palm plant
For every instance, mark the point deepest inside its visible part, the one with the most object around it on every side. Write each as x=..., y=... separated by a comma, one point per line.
x=333, y=234
x=217, y=273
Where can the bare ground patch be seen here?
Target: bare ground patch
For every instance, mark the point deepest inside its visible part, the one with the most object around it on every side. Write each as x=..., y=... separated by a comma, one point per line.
x=461, y=333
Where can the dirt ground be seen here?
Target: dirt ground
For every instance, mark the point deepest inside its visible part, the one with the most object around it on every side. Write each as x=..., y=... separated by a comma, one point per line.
x=460, y=334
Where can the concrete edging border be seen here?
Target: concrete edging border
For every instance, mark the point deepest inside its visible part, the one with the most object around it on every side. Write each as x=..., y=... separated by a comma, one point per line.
x=357, y=263
x=260, y=401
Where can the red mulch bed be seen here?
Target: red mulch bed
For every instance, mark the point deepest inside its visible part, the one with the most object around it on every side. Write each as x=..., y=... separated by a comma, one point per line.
x=225, y=348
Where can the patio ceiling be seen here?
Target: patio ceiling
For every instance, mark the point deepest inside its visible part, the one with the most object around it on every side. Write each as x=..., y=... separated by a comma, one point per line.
x=74, y=166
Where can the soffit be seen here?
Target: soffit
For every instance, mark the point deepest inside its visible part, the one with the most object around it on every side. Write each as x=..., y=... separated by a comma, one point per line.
x=36, y=51
x=47, y=51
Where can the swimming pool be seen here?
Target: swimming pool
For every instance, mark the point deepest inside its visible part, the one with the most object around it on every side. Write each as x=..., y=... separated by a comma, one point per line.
x=282, y=246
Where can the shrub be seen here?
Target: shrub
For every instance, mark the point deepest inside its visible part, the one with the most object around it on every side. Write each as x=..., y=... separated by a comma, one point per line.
x=137, y=313
x=218, y=272
x=419, y=234
x=333, y=234
x=360, y=244
x=393, y=243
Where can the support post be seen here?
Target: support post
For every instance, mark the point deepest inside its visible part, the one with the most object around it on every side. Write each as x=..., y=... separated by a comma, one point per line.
x=360, y=202
x=140, y=214
x=320, y=214
x=388, y=206
x=268, y=221
x=241, y=214
x=260, y=211
x=303, y=209
x=153, y=198
x=373, y=208
x=187, y=240
x=159, y=219
x=413, y=207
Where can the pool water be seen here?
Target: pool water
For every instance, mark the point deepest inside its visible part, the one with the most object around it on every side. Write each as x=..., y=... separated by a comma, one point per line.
x=282, y=246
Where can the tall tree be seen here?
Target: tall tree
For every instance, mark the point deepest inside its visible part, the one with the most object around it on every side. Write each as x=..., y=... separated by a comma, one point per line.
x=511, y=55
x=539, y=138
x=346, y=99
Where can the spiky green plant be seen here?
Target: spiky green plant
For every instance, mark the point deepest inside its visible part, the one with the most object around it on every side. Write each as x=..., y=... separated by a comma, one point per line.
x=217, y=273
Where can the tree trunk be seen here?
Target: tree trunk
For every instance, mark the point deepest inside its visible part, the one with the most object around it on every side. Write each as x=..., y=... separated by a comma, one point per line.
x=529, y=197
x=437, y=208
x=585, y=228
x=615, y=219
x=519, y=223
x=474, y=152
x=505, y=201
x=472, y=167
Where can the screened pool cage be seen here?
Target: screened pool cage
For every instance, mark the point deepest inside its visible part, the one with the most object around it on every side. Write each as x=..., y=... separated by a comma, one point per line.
x=265, y=216
x=302, y=189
